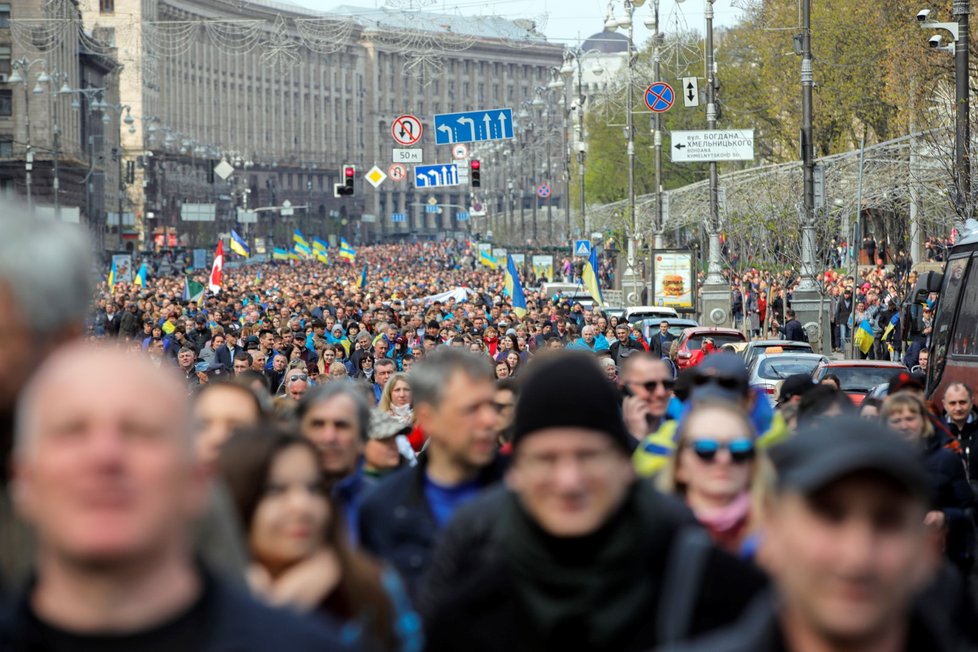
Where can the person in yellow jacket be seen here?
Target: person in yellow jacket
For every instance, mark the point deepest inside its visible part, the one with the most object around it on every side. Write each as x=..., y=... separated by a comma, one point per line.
x=721, y=375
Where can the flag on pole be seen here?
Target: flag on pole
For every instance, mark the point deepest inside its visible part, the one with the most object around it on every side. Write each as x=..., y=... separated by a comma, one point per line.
x=192, y=290
x=280, y=254
x=362, y=282
x=301, y=250
x=514, y=288
x=217, y=270
x=141, y=276
x=238, y=245
x=320, y=250
x=590, y=278
x=259, y=277
x=486, y=259
x=299, y=239
x=346, y=251
x=112, y=275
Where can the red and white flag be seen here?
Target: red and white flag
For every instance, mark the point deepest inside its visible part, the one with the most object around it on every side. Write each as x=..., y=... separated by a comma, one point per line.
x=217, y=271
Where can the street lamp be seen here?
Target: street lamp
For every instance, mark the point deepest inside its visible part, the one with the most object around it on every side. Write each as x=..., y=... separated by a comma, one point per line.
x=962, y=134
x=20, y=74
x=574, y=63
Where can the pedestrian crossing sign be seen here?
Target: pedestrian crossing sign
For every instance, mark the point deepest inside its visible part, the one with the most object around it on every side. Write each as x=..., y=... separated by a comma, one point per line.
x=582, y=248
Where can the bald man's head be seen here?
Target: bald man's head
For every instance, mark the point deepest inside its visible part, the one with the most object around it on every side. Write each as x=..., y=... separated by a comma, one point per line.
x=104, y=465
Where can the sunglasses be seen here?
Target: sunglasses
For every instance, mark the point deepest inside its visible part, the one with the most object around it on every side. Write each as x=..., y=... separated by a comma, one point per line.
x=741, y=450
x=294, y=377
x=652, y=385
x=725, y=382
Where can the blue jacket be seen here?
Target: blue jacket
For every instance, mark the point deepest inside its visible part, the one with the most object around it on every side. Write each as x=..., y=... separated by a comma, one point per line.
x=397, y=524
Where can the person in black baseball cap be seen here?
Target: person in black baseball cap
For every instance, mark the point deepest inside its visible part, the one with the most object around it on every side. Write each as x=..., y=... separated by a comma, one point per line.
x=846, y=547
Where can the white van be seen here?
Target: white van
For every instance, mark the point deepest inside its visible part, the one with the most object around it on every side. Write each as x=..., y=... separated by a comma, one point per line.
x=638, y=313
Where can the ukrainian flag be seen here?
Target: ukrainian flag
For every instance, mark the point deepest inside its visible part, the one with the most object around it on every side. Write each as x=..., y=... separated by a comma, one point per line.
x=301, y=249
x=590, y=278
x=486, y=259
x=864, y=336
x=294, y=255
x=280, y=254
x=346, y=251
x=514, y=288
x=238, y=245
x=320, y=250
x=112, y=275
x=362, y=283
x=299, y=239
x=141, y=276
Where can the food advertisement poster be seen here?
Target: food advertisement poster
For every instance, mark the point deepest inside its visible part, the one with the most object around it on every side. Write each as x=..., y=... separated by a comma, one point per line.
x=674, y=282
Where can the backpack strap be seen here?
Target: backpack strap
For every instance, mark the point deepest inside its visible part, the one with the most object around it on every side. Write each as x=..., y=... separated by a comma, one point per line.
x=685, y=565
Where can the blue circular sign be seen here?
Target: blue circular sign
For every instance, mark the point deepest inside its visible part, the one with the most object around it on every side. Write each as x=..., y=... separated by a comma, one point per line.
x=659, y=97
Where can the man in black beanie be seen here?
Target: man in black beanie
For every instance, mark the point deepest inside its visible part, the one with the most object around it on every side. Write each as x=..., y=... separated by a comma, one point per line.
x=575, y=553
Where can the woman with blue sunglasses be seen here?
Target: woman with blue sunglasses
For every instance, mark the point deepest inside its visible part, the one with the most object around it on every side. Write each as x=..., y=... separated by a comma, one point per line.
x=717, y=470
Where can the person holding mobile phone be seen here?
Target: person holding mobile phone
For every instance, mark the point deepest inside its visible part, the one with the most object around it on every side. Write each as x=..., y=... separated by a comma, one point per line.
x=194, y=372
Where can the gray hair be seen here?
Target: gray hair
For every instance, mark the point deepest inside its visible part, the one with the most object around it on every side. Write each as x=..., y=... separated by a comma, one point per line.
x=428, y=376
x=327, y=392
x=48, y=267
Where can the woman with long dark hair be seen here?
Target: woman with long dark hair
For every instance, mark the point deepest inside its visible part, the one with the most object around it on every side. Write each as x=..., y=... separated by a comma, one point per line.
x=298, y=547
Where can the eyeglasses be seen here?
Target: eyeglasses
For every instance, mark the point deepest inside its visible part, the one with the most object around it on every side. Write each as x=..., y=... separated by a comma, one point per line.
x=295, y=377
x=741, y=450
x=725, y=382
x=652, y=385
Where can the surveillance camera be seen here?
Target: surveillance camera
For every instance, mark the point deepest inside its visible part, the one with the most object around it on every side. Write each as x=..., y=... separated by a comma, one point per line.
x=922, y=15
x=935, y=41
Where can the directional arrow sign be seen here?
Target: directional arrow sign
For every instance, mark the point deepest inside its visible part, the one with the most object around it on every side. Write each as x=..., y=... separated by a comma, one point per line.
x=716, y=145
x=691, y=93
x=434, y=176
x=473, y=126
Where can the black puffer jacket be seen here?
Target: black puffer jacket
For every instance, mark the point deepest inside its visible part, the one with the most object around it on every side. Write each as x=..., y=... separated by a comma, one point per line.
x=951, y=494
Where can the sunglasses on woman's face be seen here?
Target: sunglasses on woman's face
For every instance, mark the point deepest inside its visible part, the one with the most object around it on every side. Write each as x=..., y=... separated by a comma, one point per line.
x=294, y=377
x=741, y=450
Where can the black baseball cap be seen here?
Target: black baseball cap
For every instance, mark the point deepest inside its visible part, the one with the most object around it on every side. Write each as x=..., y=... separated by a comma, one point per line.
x=724, y=373
x=834, y=448
x=795, y=385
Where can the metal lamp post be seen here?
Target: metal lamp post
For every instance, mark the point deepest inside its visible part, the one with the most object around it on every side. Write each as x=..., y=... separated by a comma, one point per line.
x=574, y=63
x=21, y=73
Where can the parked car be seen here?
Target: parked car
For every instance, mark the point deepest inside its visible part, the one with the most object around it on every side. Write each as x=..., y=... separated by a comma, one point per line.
x=637, y=313
x=650, y=325
x=691, y=341
x=767, y=370
x=758, y=347
x=858, y=377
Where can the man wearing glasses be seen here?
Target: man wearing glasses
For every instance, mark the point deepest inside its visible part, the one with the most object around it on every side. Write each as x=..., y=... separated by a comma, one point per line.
x=721, y=375
x=646, y=383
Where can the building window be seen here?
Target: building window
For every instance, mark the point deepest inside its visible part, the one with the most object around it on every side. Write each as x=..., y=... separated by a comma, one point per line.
x=106, y=6
x=5, y=59
x=6, y=102
x=6, y=146
x=5, y=15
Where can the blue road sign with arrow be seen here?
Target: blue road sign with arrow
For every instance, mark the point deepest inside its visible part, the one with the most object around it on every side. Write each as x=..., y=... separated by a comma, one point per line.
x=473, y=126
x=433, y=176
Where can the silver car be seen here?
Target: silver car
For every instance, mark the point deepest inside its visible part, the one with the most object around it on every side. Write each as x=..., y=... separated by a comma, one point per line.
x=768, y=369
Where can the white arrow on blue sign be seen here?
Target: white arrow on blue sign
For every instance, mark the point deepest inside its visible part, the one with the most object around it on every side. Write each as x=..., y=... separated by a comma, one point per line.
x=434, y=176
x=473, y=126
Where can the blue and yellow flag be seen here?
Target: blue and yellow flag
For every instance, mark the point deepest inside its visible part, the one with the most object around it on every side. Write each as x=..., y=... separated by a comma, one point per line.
x=238, y=245
x=514, y=288
x=864, y=336
x=346, y=251
x=320, y=250
x=111, y=281
x=591, y=279
x=485, y=258
x=294, y=254
x=362, y=282
x=301, y=249
x=141, y=276
x=299, y=239
x=280, y=254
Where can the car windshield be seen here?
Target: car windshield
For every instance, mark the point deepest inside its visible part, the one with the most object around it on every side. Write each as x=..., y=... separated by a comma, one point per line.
x=695, y=342
x=860, y=379
x=780, y=367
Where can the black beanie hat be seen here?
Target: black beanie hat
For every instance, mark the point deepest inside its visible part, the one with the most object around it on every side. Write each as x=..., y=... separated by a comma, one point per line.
x=569, y=389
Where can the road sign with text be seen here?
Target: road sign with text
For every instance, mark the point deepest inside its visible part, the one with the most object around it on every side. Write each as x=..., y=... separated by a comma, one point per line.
x=473, y=126
x=713, y=145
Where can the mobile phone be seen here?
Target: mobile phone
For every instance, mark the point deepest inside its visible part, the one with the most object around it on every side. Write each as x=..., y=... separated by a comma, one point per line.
x=200, y=366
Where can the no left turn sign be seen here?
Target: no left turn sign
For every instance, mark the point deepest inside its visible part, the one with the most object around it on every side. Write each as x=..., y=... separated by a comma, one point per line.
x=406, y=130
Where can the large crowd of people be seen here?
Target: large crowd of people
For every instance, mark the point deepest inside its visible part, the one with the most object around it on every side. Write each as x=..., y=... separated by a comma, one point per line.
x=303, y=461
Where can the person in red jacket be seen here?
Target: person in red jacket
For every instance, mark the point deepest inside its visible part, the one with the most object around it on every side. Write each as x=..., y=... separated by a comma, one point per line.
x=705, y=350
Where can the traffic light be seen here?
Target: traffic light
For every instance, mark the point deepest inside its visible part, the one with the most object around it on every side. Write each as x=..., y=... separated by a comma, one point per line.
x=345, y=189
x=476, y=168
